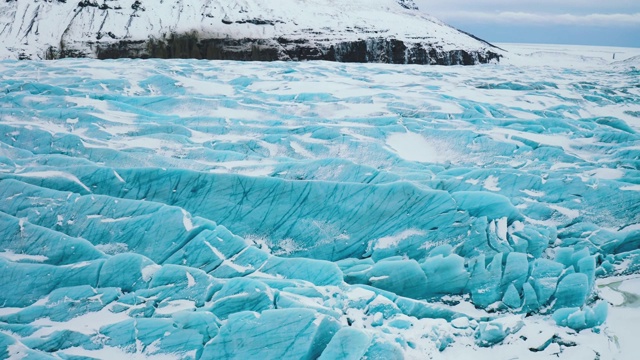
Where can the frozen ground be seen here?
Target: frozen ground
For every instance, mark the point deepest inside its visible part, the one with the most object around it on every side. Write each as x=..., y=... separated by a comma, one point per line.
x=582, y=56
x=196, y=209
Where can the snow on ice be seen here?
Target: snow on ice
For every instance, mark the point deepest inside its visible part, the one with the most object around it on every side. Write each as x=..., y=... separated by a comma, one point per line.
x=212, y=209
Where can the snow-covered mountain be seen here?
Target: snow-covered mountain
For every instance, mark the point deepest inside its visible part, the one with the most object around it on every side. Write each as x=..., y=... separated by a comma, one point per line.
x=392, y=31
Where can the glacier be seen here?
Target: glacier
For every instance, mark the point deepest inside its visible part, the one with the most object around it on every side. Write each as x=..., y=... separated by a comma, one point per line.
x=214, y=209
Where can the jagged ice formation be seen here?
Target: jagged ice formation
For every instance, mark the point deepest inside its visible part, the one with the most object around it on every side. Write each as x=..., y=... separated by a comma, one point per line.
x=199, y=209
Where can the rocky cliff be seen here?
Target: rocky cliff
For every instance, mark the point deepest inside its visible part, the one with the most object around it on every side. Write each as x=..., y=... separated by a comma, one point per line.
x=389, y=31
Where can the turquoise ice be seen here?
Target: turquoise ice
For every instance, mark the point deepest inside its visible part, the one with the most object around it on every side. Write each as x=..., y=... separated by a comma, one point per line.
x=307, y=210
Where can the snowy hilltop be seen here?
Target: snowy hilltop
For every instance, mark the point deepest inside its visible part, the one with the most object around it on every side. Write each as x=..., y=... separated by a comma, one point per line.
x=387, y=31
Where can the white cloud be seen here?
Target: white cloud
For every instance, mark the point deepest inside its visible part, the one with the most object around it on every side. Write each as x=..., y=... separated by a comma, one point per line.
x=525, y=12
x=522, y=18
x=576, y=6
x=603, y=22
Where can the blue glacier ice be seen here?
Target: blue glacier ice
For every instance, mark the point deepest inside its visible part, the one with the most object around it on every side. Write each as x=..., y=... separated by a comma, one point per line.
x=199, y=210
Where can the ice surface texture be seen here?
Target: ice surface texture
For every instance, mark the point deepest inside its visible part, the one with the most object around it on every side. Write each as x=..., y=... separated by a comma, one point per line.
x=229, y=210
x=388, y=31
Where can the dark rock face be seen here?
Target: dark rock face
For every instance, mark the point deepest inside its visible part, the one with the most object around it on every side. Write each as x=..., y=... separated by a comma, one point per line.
x=408, y=4
x=378, y=50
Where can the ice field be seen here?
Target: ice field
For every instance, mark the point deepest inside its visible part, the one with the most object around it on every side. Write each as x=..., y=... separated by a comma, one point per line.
x=186, y=209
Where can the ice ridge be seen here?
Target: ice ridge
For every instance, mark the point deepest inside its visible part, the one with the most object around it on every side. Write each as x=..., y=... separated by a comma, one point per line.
x=231, y=210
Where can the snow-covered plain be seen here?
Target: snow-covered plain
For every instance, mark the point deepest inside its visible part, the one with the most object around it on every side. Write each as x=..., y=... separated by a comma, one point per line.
x=199, y=209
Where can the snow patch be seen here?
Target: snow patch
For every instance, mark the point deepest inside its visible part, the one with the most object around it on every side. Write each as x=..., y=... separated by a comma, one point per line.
x=148, y=272
x=191, y=282
x=491, y=183
x=393, y=240
x=413, y=147
x=186, y=220
x=12, y=256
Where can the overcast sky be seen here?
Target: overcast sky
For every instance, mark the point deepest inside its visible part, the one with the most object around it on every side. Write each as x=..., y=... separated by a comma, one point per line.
x=584, y=22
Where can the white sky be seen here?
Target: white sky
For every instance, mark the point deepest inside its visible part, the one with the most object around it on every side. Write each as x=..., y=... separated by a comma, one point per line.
x=585, y=20
x=588, y=12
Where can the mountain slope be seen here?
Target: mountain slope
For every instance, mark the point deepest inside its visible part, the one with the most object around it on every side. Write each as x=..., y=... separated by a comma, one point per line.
x=392, y=31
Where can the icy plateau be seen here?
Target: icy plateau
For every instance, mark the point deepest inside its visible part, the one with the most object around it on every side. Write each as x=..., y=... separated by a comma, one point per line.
x=192, y=209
